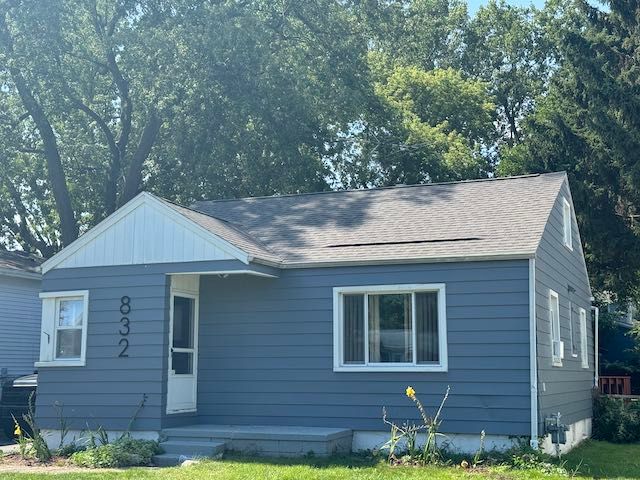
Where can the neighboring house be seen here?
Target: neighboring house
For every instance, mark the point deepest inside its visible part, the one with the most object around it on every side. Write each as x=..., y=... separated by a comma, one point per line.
x=318, y=310
x=20, y=312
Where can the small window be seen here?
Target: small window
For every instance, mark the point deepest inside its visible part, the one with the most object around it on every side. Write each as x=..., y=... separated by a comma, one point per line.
x=64, y=328
x=574, y=343
x=557, y=346
x=390, y=328
x=584, y=352
x=566, y=224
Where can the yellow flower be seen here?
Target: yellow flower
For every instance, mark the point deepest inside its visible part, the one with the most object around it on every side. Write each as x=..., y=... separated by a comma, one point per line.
x=411, y=393
x=18, y=431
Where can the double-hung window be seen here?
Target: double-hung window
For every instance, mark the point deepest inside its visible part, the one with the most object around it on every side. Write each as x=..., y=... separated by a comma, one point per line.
x=557, y=346
x=566, y=224
x=64, y=328
x=390, y=328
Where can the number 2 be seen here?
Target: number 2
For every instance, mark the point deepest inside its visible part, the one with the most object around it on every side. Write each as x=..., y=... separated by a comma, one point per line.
x=124, y=343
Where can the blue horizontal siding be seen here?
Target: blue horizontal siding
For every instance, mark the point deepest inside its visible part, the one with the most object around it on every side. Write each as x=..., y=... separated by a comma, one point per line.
x=107, y=391
x=266, y=351
x=19, y=324
x=567, y=389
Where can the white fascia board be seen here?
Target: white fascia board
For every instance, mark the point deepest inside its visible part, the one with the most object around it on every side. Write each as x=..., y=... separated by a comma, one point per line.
x=402, y=261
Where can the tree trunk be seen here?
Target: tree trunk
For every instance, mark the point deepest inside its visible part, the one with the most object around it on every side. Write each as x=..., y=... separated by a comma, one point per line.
x=134, y=174
x=68, y=223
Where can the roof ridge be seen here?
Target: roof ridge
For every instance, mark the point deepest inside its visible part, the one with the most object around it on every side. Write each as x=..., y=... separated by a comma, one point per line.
x=227, y=222
x=390, y=187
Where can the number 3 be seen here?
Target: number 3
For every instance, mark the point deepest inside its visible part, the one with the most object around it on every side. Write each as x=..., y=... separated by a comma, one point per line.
x=125, y=324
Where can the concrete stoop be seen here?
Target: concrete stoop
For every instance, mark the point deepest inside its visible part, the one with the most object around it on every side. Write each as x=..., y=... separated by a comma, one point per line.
x=197, y=441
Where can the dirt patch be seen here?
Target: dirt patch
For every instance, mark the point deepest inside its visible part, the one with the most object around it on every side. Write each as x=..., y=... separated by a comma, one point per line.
x=16, y=464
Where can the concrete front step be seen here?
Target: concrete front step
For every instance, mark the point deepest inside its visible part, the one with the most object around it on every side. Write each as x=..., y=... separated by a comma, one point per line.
x=266, y=440
x=192, y=448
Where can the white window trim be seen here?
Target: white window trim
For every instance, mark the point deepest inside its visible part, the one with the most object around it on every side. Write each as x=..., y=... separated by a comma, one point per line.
x=338, y=292
x=567, y=224
x=48, y=329
x=584, y=342
x=553, y=296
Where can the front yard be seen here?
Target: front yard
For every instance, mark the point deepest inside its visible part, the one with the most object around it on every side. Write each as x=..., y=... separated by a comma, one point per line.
x=591, y=460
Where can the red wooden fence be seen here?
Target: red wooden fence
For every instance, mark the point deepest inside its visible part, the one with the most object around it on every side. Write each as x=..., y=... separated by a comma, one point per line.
x=614, y=385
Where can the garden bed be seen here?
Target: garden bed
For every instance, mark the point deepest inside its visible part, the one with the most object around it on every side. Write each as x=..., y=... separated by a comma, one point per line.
x=591, y=460
x=14, y=463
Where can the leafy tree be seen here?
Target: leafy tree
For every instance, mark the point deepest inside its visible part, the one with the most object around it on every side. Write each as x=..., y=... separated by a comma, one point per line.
x=425, y=33
x=190, y=98
x=508, y=48
x=432, y=126
x=589, y=125
x=81, y=100
x=273, y=83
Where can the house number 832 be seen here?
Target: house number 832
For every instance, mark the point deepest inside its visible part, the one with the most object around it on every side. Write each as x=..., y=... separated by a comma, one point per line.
x=125, y=308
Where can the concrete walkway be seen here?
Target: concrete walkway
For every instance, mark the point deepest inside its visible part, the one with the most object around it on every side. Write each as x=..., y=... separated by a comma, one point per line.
x=6, y=449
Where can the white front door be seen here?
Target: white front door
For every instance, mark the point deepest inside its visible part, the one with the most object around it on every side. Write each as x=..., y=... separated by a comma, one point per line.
x=182, y=379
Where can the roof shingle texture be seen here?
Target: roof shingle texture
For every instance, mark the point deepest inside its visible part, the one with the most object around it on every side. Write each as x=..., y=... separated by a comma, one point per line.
x=492, y=217
x=19, y=261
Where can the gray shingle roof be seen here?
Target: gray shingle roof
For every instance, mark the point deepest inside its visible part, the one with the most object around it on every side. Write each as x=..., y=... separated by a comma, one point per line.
x=227, y=232
x=16, y=261
x=494, y=217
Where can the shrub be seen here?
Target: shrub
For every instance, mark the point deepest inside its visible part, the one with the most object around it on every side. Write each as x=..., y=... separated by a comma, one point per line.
x=529, y=459
x=124, y=452
x=616, y=421
x=69, y=449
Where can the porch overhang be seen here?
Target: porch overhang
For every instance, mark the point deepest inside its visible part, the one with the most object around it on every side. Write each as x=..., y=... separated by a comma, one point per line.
x=223, y=268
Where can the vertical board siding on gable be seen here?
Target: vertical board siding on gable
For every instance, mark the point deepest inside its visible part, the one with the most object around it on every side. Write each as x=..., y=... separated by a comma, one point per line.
x=146, y=235
x=108, y=389
x=566, y=389
x=266, y=351
x=19, y=324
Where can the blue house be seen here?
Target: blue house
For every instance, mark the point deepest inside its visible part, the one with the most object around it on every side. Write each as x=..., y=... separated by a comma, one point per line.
x=19, y=313
x=282, y=325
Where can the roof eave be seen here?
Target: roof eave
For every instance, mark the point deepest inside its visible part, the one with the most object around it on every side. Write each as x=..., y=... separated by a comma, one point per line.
x=396, y=261
x=9, y=272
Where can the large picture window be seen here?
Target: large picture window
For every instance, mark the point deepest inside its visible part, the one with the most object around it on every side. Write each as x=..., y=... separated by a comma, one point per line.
x=390, y=328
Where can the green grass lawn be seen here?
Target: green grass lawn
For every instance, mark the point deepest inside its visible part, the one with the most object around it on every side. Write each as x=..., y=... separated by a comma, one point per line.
x=591, y=460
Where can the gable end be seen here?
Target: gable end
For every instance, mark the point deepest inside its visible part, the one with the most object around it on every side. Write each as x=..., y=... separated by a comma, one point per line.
x=144, y=231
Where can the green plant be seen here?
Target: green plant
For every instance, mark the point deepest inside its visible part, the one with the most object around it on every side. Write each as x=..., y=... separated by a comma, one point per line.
x=62, y=424
x=69, y=449
x=530, y=459
x=406, y=435
x=477, y=458
x=96, y=438
x=127, y=432
x=31, y=444
x=24, y=446
x=124, y=452
x=615, y=421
